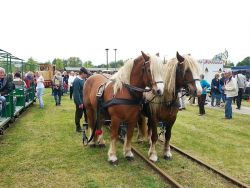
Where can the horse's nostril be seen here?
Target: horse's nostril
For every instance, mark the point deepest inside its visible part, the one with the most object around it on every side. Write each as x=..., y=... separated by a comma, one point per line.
x=158, y=91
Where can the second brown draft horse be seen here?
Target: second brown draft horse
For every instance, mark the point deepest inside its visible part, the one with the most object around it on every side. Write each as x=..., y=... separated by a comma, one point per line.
x=121, y=97
x=180, y=72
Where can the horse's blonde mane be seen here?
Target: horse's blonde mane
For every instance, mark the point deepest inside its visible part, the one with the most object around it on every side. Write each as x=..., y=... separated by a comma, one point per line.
x=169, y=70
x=156, y=67
x=123, y=75
x=170, y=73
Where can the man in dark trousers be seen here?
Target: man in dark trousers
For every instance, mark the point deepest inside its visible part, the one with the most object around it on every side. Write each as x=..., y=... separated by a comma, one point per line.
x=241, y=80
x=78, y=97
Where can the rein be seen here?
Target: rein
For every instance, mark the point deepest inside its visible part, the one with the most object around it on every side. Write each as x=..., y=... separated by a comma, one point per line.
x=136, y=88
x=185, y=93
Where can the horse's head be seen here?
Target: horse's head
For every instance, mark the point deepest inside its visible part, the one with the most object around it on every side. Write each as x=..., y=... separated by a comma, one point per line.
x=152, y=73
x=188, y=74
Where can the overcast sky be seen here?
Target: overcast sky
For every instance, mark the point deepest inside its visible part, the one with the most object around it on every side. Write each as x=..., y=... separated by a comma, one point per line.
x=48, y=29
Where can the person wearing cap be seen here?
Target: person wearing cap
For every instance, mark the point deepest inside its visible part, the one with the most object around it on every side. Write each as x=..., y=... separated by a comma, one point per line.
x=78, y=97
x=231, y=91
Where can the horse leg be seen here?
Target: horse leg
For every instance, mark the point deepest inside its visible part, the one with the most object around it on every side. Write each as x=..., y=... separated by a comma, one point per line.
x=142, y=129
x=91, y=124
x=127, y=143
x=167, y=150
x=115, y=123
x=101, y=141
x=152, y=124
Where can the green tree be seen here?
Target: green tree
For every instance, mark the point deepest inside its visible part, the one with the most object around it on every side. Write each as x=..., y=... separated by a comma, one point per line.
x=74, y=62
x=31, y=65
x=118, y=64
x=244, y=62
x=47, y=62
x=59, y=64
x=101, y=66
x=54, y=61
x=65, y=62
x=88, y=64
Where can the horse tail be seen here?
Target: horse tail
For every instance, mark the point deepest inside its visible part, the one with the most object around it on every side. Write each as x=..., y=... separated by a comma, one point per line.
x=96, y=129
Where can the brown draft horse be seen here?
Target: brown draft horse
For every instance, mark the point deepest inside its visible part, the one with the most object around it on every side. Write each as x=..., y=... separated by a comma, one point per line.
x=180, y=72
x=142, y=72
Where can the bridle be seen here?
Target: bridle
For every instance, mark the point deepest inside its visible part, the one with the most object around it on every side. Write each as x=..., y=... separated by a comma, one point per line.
x=147, y=71
x=185, y=84
x=179, y=70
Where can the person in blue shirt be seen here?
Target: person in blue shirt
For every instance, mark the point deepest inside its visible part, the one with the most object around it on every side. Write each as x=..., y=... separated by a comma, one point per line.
x=202, y=99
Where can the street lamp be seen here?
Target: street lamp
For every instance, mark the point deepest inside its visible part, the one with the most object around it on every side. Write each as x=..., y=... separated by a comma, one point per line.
x=107, y=51
x=115, y=58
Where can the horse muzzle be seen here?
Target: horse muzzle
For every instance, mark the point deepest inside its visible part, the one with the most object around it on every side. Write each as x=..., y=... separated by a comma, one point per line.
x=158, y=88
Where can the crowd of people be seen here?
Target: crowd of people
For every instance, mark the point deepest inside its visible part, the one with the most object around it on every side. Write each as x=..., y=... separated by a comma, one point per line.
x=10, y=82
x=225, y=88
x=62, y=83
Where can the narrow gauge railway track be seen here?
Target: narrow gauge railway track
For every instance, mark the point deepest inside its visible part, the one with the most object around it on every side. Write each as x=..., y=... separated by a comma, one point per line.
x=209, y=167
x=170, y=180
x=158, y=170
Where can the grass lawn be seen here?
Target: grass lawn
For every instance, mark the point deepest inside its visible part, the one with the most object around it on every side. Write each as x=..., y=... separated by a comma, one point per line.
x=42, y=149
x=225, y=144
x=245, y=103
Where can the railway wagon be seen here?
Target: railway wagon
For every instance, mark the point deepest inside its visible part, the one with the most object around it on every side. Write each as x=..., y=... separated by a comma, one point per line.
x=19, y=97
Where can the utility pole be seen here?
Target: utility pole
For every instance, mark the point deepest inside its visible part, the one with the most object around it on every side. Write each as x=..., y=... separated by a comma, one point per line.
x=107, y=51
x=115, y=58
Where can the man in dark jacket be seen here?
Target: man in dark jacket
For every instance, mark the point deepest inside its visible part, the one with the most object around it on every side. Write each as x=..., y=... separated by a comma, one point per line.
x=5, y=87
x=215, y=90
x=78, y=97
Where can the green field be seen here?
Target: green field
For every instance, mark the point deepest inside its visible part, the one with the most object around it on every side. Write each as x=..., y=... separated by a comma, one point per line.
x=225, y=144
x=245, y=103
x=42, y=149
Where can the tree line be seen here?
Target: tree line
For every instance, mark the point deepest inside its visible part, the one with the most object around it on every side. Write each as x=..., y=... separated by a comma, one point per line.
x=77, y=62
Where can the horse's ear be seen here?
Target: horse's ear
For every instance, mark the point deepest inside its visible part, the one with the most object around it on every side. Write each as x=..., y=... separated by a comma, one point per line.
x=179, y=57
x=146, y=58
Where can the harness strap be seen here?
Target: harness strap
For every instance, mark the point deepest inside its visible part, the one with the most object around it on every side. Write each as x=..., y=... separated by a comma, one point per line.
x=185, y=93
x=136, y=88
x=117, y=101
x=163, y=126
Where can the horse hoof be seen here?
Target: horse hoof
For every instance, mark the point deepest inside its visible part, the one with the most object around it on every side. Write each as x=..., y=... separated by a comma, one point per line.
x=92, y=145
x=113, y=163
x=101, y=145
x=168, y=158
x=153, y=158
x=140, y=141
x=129, y=158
